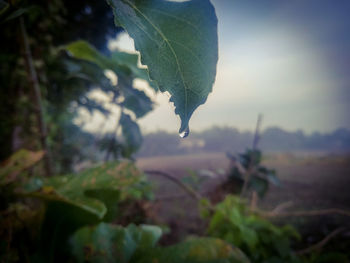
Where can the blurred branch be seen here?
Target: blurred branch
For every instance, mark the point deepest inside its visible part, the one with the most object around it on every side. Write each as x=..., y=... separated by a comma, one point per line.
x=172, y=178
x=257, y=132
x=38, y=101
x=254, y=201
x=114, y=140
x=322, y=243
x=282, y=207
x=307, y=213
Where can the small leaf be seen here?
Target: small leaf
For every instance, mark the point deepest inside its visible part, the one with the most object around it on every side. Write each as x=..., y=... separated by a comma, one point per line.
x=131, y=61
x=178, y=43
x=17, y=163
x=272, y=177
x=132, y=135
x=259, y=184
x=125, y=65
x=3, y=7
x=83, y=50
x=137, y=101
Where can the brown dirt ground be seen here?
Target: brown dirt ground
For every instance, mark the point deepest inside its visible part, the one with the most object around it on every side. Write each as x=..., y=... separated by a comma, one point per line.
x=309, y=182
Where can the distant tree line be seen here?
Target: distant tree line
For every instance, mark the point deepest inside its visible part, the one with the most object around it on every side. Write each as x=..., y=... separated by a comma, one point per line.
x=228, y=139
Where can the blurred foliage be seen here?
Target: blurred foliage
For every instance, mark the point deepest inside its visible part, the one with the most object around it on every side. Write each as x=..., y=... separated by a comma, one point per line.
x=258, y=238
x=125, y=66
x=48, y=24
x=79, y=217
x=67, y=225
x=65, y=81
x=259, y=176
x=91, y=189
x=32, y=229
x=109, y=243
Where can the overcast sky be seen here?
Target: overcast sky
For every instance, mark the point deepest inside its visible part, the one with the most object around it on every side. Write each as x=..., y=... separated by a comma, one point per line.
x=289, y=60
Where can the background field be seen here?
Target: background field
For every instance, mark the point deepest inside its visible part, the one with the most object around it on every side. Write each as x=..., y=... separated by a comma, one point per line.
x=309, y=182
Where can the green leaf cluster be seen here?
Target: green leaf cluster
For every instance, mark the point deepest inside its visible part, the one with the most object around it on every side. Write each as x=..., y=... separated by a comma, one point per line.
x=95, y=190
x=126, y=68
x=258, y=238
x=260, y=176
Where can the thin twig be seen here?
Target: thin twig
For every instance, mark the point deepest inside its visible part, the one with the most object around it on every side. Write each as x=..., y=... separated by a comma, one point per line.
x=281, y=207
x=171, y=197
x=113, y=143
x=39, y=106
x=249, y=171
x=307, y=213
x=254, y=201
x=172, y=178
x=257, y=132
x=322, y=243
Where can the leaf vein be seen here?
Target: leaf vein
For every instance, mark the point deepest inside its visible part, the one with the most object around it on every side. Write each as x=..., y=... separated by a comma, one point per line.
x=170, y=47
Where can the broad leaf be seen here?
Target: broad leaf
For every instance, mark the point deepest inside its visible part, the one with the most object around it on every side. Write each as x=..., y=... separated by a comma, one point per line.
x=87, y=190
x=178, y=43
x=17, y=163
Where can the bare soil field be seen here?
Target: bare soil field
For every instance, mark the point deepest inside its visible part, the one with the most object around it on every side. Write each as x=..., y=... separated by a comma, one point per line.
x=309, y=182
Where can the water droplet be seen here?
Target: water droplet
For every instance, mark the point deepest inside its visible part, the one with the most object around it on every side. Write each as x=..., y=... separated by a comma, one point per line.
x=185, y=133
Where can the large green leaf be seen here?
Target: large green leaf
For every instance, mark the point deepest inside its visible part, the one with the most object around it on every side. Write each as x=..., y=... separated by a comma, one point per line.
x=178, y=43
x=110, y=243
x=90, y=190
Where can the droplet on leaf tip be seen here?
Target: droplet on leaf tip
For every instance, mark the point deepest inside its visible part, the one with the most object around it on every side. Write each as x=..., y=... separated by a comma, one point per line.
x=185, y=133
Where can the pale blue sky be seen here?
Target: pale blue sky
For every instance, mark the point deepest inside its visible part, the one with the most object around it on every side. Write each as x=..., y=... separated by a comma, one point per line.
x=286, y=59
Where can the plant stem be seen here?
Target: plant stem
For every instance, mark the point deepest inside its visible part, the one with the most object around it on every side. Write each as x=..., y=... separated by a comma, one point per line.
x=322, y=243
x=188, y=189
x=38, y=101
x=113, y=142
x=252, y=161
x=307, y=213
